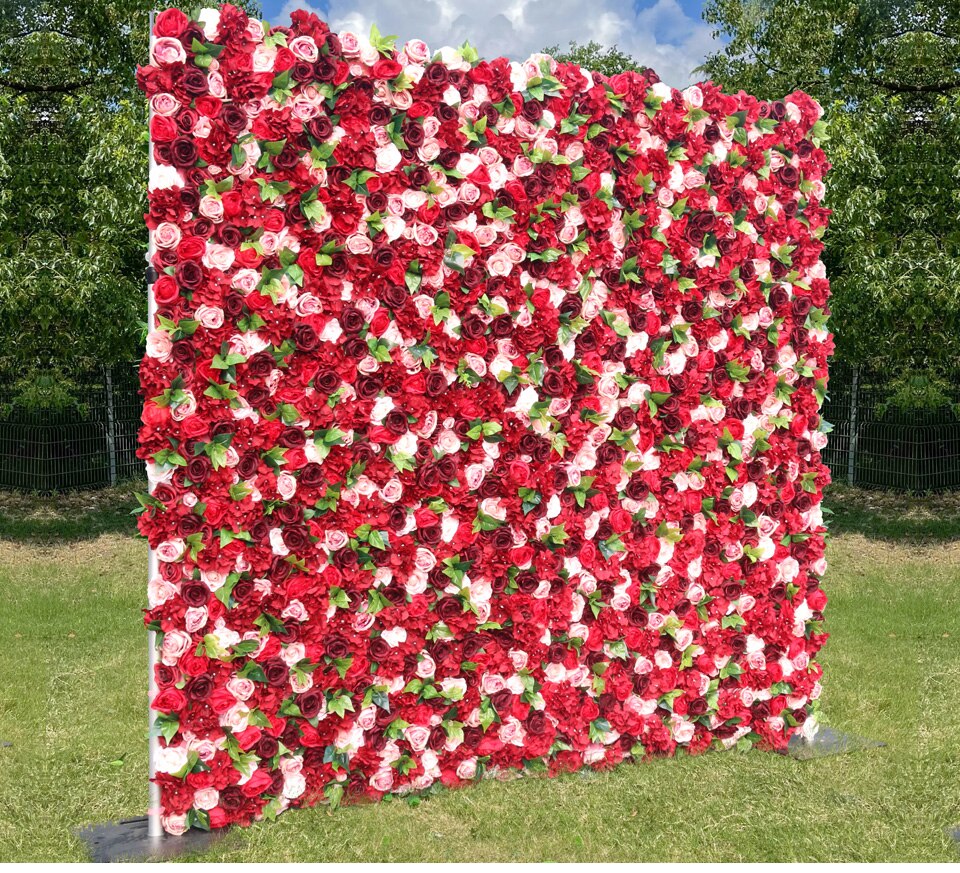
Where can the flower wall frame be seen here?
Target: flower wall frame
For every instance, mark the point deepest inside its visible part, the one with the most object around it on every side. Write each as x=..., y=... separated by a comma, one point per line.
x=481, y=416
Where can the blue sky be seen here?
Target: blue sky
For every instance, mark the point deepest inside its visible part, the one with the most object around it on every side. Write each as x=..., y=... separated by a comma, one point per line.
x=668, y=35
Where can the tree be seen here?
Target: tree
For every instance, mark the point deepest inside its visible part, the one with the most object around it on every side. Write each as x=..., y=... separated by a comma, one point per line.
x=594, y=56
x=888, y=75
x=73, y=170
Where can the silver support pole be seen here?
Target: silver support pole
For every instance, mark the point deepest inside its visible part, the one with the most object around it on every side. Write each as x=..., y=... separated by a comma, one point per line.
x=852, y=447
x=154, y=827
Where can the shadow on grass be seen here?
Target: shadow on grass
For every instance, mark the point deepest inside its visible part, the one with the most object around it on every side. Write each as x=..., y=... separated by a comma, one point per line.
x=81, y=515
x=886, y=515
x=71, y=516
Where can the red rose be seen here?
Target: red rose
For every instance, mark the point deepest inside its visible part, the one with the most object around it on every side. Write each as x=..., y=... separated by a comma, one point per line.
x=170, y=22
x=208, y=106
x=191, y=248
x=163, y=128
x=386, y=68
x=154, y=416
x=169, y=700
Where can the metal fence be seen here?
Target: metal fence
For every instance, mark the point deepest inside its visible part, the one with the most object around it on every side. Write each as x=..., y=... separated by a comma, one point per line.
x=91, y=442
x=876, y=444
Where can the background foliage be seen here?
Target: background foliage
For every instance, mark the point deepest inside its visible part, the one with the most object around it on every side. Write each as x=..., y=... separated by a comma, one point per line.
x=73, y=168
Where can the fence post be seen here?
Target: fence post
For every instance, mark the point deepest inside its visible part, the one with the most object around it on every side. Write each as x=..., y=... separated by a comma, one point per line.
x=852, y=448
x=111, y=427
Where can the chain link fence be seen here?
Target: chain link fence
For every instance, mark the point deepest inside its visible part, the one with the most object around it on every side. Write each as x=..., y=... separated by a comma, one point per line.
x=878, y=442
x=88, y=441
x=91, y=441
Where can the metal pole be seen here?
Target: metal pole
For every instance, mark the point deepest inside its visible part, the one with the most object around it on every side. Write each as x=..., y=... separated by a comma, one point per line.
x=154, y=827
x=852, y=448
x=111, y=426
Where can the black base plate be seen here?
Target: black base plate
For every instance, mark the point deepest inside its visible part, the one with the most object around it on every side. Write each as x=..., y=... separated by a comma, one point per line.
x=826, y=742
x=128, y=840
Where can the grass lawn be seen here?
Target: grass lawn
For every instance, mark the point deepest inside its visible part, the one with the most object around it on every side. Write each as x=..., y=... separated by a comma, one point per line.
x=73, y=705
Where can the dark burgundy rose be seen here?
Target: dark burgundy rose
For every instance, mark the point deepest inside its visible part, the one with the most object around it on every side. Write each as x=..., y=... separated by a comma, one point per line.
x=447, y=468
x=537, y=723
x=233, y=117
x=446, y=113
x=195, y=81
x=326, y=381
x=436, y=384
x=231, y=799
x=305, y=338
x=296, y=539
x=472, y=327
x=310, y=703
x=319, y=127
x=276, y=672
x=293, y=438
x=448, y=158
x=302, y=72
x=379, y=115
x=199, y=469
x=166, y=676
x=351, y=319
x=449, y=608
x=419, y=177
x=199, y=687
x=325, y=69
x=502, y=700
x=183, y=152
x=189, y=275
x=436, y=74
x=311, y=476
x=287, y=159
x=267, y=746
x=242, y=590
x=554, y=384
x=625, y=418
x=413, y=135
x=336, y=647
x=195, y=593
x=384, y=258
x=430, y=534
x=532, y=110
x=379, y=649
x=395, y=421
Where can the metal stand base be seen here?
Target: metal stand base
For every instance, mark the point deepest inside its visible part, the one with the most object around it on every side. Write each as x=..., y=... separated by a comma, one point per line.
x=954, y=834
x=128, y=840
x=827, y=742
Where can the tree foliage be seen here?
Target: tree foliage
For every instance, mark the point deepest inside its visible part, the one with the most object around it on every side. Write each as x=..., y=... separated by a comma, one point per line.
x=594, y=56
x=73, y=170
x=888, y=75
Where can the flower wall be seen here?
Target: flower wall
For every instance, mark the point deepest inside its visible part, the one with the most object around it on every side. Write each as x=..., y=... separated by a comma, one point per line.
x=481, y=416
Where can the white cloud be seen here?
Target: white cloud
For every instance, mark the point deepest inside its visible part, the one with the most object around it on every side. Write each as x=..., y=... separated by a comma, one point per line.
x=516, y=28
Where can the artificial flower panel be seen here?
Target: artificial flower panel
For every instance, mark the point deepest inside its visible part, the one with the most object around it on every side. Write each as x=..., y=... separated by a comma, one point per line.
x=481, y=416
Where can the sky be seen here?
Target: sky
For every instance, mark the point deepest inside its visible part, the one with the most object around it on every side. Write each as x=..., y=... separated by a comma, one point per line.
x=668, y=35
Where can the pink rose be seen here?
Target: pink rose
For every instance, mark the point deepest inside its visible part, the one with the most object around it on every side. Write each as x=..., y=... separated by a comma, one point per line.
x=418, y=736
x=168, y=50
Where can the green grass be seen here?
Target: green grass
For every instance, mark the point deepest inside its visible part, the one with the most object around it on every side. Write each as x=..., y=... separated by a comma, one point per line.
x=72, y=703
